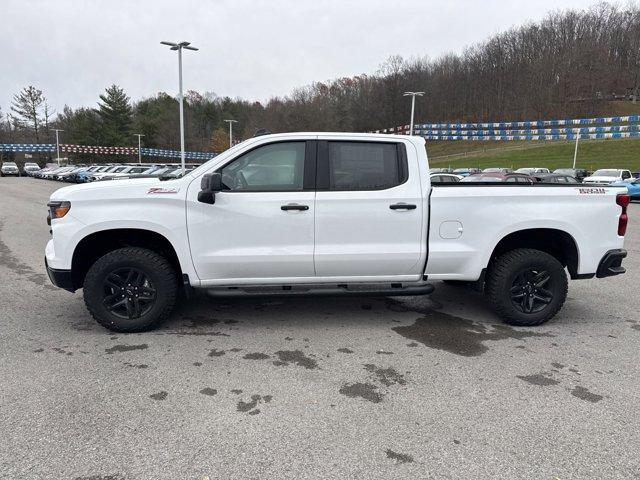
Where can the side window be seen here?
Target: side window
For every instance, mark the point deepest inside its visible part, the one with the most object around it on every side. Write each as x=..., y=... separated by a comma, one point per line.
x=273, y=167
x=365, y=166
x=560, y=179
x=626, y=175
x=571, y=180
x=511, y=179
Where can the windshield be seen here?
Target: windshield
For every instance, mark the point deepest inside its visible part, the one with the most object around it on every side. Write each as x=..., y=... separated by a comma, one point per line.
x=566, y=171
x=493, y=170
x=606, y=173
x=526, y=170
x=9, y=164
x=479, y=178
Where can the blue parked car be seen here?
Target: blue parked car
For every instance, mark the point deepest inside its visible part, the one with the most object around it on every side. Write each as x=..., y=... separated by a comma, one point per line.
x=633, y=186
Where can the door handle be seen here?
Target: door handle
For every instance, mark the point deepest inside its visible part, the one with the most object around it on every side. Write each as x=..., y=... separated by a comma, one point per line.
x=293, y=206
x=402, y=206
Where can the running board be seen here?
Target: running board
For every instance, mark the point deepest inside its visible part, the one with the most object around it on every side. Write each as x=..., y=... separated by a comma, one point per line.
x=340, y=290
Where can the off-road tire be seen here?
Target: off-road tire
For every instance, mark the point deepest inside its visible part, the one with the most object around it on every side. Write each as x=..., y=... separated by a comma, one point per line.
x=158, y=270
x=504, y=271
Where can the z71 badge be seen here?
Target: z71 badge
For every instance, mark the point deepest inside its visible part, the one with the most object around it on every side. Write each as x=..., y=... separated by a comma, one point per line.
x=591, y=191
x=162, y=190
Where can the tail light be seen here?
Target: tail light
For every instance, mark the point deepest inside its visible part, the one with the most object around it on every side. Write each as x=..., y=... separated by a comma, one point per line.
x=623, y=200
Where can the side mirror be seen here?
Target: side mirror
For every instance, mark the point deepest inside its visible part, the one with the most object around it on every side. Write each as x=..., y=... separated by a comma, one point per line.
x=209, y=185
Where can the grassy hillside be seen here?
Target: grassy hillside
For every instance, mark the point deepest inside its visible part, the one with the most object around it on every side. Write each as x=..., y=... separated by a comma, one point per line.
x=592, y=154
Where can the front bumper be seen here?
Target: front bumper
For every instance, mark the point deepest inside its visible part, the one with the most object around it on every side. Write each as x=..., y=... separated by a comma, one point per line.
x=60, y=278
x=611, y=263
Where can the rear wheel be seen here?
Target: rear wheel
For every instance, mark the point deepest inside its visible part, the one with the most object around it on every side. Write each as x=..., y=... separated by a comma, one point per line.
x=527, y=287
x=130, y=290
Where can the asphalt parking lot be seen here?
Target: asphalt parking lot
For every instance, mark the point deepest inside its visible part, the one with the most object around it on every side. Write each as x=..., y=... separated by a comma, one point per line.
x=312, y=388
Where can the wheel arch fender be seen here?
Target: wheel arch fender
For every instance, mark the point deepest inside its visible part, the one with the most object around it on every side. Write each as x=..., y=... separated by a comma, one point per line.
x=95, y=240
x=559, y=239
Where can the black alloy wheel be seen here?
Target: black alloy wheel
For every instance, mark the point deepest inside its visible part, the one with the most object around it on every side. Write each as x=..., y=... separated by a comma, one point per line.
x=128, y=293
x=532, y=290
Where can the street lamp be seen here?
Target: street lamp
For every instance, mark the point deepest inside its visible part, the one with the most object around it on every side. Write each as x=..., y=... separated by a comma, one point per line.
x=413, y=96
x=139, y=135
x=179, y=47
x=57, y=130
x=231, y=122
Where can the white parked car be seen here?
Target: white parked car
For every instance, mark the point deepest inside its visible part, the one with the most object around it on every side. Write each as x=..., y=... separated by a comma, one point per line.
x=607, y=176
x=30, y=168
x=9, y=168
x=129, y=171
x=327, y=213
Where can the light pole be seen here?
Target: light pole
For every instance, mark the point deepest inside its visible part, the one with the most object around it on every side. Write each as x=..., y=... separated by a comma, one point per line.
x=57, y=130
x=413, y=96
x=179, y=47
x=231, y=122
x=139, y=135
x=575, y=152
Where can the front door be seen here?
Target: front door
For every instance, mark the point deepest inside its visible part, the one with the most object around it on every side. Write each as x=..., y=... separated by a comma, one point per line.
x=261, y=227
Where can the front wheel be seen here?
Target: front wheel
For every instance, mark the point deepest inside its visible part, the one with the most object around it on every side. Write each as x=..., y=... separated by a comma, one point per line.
x=527, y=287
x=130, y=290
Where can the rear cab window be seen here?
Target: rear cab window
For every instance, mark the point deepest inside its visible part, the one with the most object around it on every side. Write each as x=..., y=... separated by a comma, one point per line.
x=361, y=166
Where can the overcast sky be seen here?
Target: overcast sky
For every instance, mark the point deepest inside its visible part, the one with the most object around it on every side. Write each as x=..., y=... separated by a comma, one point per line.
x=73, y=49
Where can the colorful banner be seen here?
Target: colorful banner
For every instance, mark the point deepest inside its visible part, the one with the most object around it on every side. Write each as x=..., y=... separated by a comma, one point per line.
x=585, y=136
x=27, y=147
x=67, y=148
x=101, y=150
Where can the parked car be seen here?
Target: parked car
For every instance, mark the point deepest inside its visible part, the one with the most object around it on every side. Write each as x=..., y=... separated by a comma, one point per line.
x=365, y=223
x=440, y=170
x=607, y=176
x=83, y=177
x=69, y=175
x=108, y=171
x=532, y=170
x=30, y=168
x=577, y=173
x=633, y=187
x=494, y=177
x=131, y=171
x=554, y=178
x=465, y=172
x=437, y=178
x=497, y=170
x=9, y=168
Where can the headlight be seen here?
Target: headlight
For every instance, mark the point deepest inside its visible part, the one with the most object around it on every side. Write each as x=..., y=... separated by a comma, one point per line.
x=58, y=209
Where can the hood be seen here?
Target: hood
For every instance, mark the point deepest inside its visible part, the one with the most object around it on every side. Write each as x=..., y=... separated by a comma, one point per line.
x=120, y=188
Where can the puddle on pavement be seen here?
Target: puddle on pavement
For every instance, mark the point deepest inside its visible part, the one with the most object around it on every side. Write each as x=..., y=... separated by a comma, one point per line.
x=458, y=335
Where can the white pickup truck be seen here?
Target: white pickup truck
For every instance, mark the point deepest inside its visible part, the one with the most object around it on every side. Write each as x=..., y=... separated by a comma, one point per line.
x=325, y=213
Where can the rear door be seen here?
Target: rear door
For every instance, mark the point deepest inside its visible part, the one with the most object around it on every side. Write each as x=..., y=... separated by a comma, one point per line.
x=369, y=210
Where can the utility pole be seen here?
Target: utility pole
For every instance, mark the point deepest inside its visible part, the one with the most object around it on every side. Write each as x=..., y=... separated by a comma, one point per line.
x=57, y=130
x=575, y=152
x=231, y=122
x=179, y=47
x=139, y=135
x=413, y=96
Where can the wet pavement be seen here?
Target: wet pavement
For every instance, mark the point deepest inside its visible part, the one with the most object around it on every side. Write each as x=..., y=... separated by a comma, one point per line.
x=312, y=387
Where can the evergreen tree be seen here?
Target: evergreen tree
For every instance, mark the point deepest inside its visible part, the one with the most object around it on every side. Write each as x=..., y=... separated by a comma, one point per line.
x=116, y=116
x=27, y=107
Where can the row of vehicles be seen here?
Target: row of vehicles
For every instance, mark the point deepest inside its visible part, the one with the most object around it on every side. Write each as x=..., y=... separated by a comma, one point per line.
x=11, y=169
x=92, y=173
x=613, y=177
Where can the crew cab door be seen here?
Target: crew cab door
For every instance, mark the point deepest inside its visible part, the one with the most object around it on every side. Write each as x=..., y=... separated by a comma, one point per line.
x=260, y=228
x=370, y=212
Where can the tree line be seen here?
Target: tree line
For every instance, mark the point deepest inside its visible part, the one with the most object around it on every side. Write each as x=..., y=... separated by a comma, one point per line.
x=570, y=64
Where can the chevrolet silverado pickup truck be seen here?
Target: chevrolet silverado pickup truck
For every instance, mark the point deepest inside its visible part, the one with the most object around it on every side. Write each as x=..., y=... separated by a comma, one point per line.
x=327, y=213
